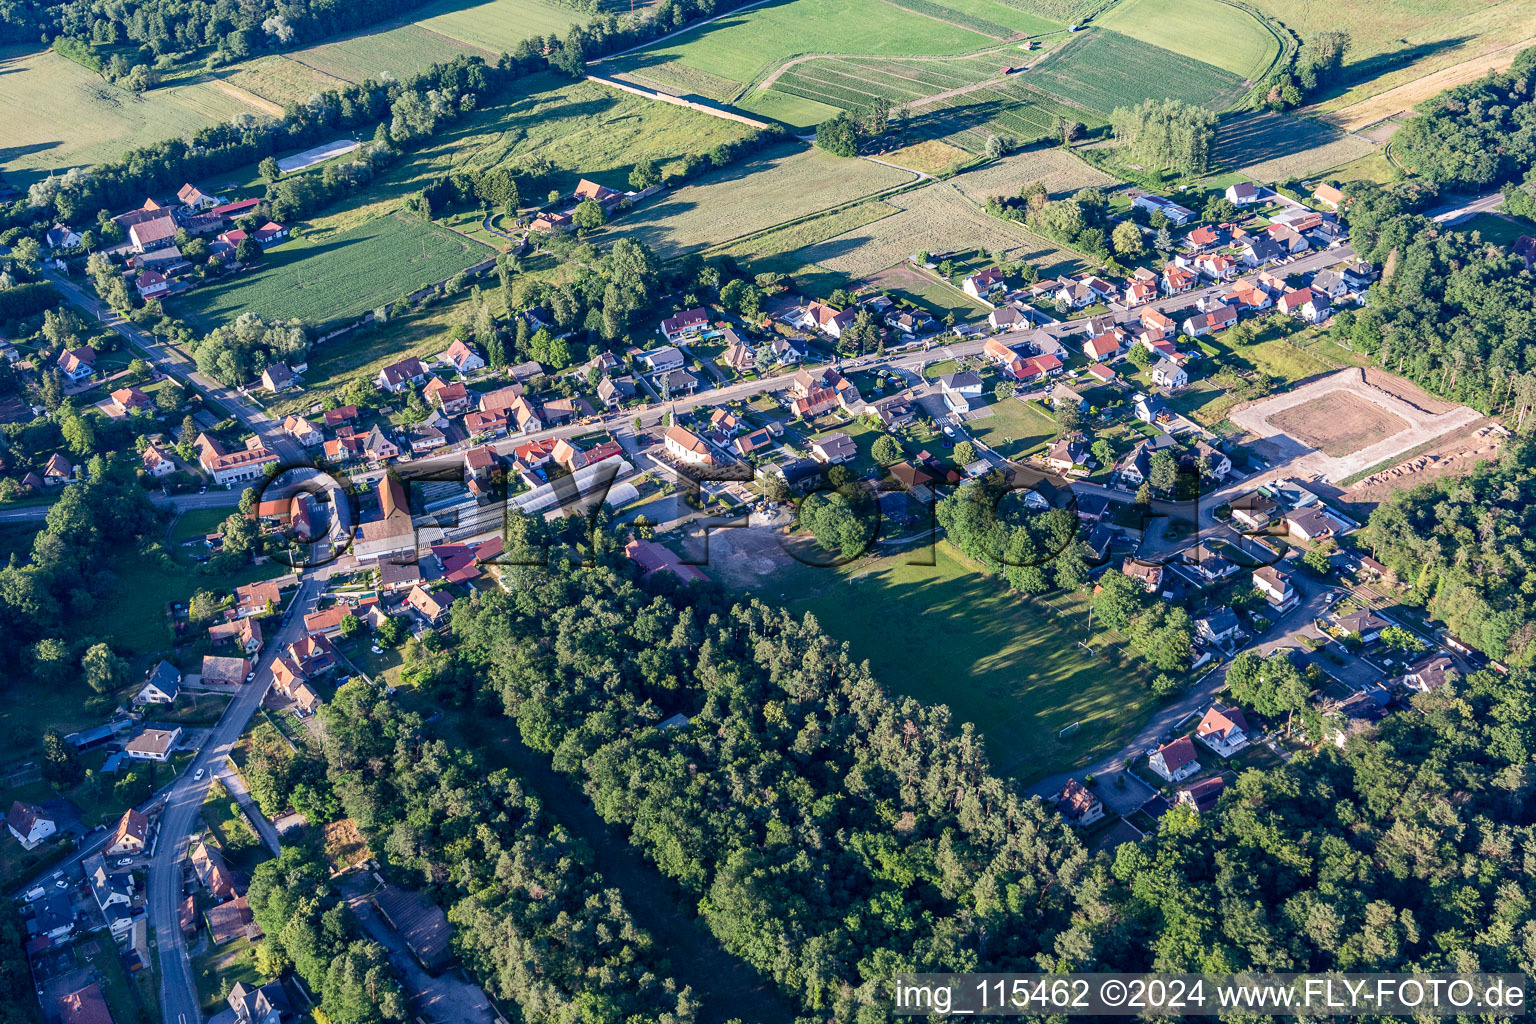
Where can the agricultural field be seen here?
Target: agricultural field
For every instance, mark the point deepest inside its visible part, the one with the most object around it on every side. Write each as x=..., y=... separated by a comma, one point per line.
x=581, y=129
x=1061, y=172
x=1205, y=30
x=1007, y=671
x=499, y=25
x=278, y=79
x=400, y=52
x=1273, y=147
x=930, y=157
x=1102, y=70
x=1413, y=44
x=745, y=48
x=338, y=276
x=57, y=114
x=935, y=218
x=770, y=188
x=757, y=249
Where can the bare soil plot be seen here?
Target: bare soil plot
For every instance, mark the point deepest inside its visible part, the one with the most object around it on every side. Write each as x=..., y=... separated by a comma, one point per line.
x=1338, y=423
x=1346, y=423
x=1450, y=456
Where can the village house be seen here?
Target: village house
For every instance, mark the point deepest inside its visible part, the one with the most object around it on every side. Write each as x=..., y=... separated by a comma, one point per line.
x=1077, y=803
x=828, y=320
x=1177, y=215
x=1201, y=796
x=1256, y=250
x=960, y=390
x=222, y=671
x=1223, y=729
x=61, y=236
x=130, y=399
x=29, y=824
x=1169, y=376
x=613, y=392
x=157, y=461
x=1365, y=624
x=232, y=467
x=1177, y=279
x=1254, y=511
x=1216, y=266
x=462, y=357
x=673, y=383
x=1139, y=292
x=684, y=324
x=1218, y=319
x=1150, y=409
x=834, y=449
x=1148, y=574
x=151, y=284
x=817, y=401
x=77, y=363
x=303, y=431
x=433, y=607
x=130, y=837
x=453, y=399
x=1275, y=587
x=910, y=322
x=154, y=233
x=400, y=376
x=1328, y=196
x=687, y=447
x=162, y=684
x=1007, y=318
x=258, y=598
x=1313, y=524
x=1208, y=565
x=1217, y=626
x=265, y=1005
x=152, y=744
x=1103, y=347
x=1067, y=454
x=1155, y=320
x=1175, y=761
x=1242, y=193
x=1429, y=673
x=664, y=359
x=984, y=284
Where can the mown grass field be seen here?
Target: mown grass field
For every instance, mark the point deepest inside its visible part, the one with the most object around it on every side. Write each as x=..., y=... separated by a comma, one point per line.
x=338, y=277
x=1269, y=147
x=934, y=218
x=996, y=659
x=1205, y=30
x=400, y=52
x=744, y=47
x=772, y=187
x=56, y=114
x=1102, y=70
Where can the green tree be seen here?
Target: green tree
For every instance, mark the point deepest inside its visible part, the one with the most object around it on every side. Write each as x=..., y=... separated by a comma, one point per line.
x=61, y=765
x=1127, y=240
x=965, y=453
x=589, y=215
x=268, y=169
x=885, y=450
x=104, y=671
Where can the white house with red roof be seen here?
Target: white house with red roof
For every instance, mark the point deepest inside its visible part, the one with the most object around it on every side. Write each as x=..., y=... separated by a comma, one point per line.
x=1224, y=730
x=680, y=325
x=1175, y=761
x=982, y=284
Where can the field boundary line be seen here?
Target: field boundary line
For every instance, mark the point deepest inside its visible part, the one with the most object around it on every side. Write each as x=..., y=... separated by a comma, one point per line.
x=679, y=31
x=678, y=101
x=874, y=197
x=953, y=24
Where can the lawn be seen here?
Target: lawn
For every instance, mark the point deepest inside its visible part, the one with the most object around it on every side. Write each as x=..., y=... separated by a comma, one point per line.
x=57, y=114
x=1499, y=229
x=338, y=277
x=218, y=968
x=1247, y=46
x=1014, y=428
x=905, y=281
x=999, y=661
x=744, y=47
x=785, y=183
x=133, y=616
x=1102, y=70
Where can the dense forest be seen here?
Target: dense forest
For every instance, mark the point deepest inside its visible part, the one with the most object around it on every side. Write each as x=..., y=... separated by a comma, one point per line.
x=1453, y=314
x=1475, y=135
x=531, y=917
x=1468, y=547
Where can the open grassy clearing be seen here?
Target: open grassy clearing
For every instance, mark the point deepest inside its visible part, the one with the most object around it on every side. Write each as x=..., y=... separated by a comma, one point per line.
x=934, y=218
x=279, y=79
x=1015, y=428
x=56, y=114
x=1206, y=30
x=906, y=281
x=499, y=25
x=1102, y=70
x=583, y=129
x=1398, y=42
x=746, y=46
x=930, y=157
x=1060, y=171
x=771, y=187
x=1269, y=147
x=363, y=353
x=998, y=660
x=338, y=277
